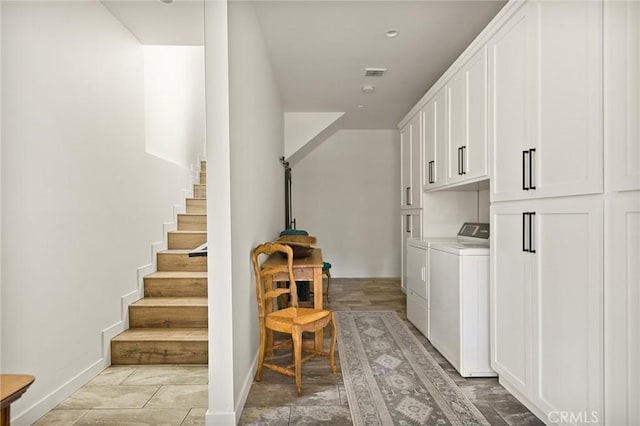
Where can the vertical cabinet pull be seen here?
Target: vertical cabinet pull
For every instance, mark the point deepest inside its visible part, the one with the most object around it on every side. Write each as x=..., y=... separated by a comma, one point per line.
x=524, y=232
x=408, y=223
x=527, y=162
x=407, y=195
x=431, y=165
x=531, y=233
x=528, y=232
x=459, y=159
x=463, y=169
x=525, y=187
x=531, y=180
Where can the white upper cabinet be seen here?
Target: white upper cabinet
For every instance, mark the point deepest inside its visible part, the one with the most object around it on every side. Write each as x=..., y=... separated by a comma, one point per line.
x=467, y=121
x=509, y=105
x=411, y=162
x=622, y=85
x=434, y=141
x=545, y=102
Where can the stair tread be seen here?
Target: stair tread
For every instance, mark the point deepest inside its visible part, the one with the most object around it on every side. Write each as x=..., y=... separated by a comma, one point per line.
x=192, y=214
x=183, y=231
x=163, y=334
x=172, y=301
x=175, y=251
x=177, y=274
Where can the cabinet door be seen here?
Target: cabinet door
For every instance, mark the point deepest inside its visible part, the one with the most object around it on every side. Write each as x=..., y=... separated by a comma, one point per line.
x=568, y=305
x=440, y=142
x=510, y=298
x=417, y=125
x=568, y=148
x=429, y=146
x=434, y=142
x=467, y=124
x=622, y=311
x=410, y=227
x=405, y=164
x=475, y=153
x=622, y=89
x=510, y=69
x=456, y=126
x=416, y=268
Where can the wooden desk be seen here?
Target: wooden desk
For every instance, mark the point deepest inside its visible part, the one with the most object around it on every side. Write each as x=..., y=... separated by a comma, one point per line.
x=12, y=386
x=304, y=269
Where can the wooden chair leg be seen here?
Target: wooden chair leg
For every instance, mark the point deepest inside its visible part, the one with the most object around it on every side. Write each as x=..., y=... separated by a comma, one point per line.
x=297, y=352
x=261, y=351
x=334, y=336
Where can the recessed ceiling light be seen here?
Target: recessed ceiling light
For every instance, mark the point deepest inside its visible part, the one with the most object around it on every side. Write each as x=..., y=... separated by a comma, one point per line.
x=391, y=33
x=368, y=88
x=360, y=106
x=166, y=1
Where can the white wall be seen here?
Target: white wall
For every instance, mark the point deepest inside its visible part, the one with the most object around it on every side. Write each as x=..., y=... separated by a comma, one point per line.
x=301, y=127
x=346, y=193
x=174, y=102
x=257, y=194
x=81, y=200
x=254, y=198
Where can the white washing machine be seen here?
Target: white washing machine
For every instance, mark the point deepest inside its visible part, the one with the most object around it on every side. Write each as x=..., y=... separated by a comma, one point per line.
x=459, y=300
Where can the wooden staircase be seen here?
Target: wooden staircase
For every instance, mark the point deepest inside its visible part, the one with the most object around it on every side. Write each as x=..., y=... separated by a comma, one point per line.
x=169, y=324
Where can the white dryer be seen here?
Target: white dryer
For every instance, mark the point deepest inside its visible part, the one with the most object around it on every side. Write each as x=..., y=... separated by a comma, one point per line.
x=459, y=300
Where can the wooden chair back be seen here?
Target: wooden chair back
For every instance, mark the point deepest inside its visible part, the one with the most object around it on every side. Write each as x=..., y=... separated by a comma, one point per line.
x=265, y=295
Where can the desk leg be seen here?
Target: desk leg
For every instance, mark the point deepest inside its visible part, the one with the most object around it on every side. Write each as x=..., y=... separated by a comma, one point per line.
x=317, y=303
x=5, y=416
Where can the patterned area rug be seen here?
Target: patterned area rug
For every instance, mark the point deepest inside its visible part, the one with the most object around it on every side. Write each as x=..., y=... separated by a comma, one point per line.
x=391, y=379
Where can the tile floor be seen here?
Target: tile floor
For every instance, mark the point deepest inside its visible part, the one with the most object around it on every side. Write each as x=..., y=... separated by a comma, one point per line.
x=177, y=395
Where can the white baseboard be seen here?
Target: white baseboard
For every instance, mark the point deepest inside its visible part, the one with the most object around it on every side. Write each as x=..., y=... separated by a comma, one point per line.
x=43, y=406
x=229, y=419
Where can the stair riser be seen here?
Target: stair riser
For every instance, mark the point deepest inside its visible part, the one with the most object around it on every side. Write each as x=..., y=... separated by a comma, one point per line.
x=192, y=223
x=203, y=178
x=196, y=206
x=175, y=287
x=186, y=241
x=199, y=191
x=203, y=166
x=127, y=353
x=181, y=262
x=168, y=316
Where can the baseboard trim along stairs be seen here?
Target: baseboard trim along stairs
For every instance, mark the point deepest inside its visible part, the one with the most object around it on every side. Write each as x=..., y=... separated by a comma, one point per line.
x=169, y=324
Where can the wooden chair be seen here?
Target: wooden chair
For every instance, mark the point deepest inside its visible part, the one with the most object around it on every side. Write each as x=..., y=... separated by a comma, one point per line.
x=292, y=320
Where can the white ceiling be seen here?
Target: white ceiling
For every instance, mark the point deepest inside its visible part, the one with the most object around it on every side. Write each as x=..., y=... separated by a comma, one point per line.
x=319, y=49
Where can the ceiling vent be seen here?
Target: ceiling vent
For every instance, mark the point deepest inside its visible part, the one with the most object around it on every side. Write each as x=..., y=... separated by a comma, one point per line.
x=374, y=72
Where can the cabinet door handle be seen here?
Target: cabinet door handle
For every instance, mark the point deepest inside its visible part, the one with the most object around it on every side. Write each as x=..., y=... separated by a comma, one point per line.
x=524, y=170
x=531, y=185
x=524, y=232
x=431, y=164
x=407, y=195
x=459, y=160
x=408, y=223
x=531, y=221
x=463, y=168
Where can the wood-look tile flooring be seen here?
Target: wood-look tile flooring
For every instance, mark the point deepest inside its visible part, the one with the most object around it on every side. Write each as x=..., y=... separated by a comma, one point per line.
x=177, y=395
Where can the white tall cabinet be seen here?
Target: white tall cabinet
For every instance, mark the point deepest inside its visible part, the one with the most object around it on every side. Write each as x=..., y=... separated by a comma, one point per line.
x=622, y=213
x=411, y=143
